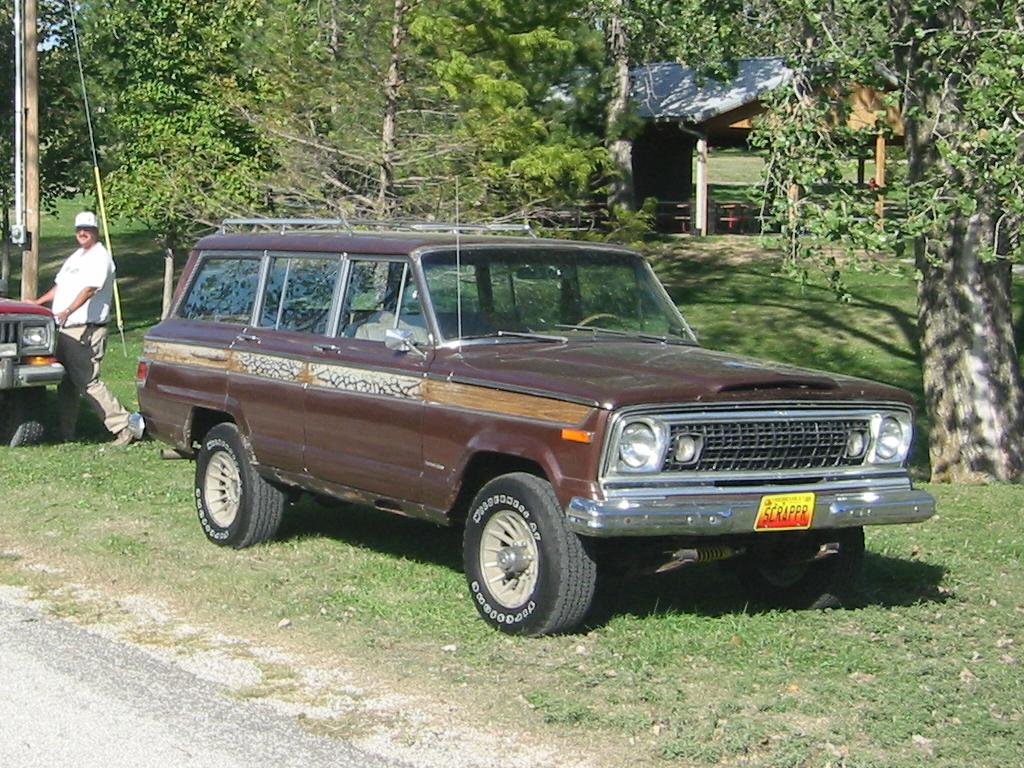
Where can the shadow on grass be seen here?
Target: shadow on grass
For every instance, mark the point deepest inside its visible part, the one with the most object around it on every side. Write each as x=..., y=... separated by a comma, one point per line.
x=712, y=591
x=701, y=590
x=367, y=528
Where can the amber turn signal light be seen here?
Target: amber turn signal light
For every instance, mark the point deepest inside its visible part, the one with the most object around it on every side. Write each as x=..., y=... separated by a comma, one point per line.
x=577, y=435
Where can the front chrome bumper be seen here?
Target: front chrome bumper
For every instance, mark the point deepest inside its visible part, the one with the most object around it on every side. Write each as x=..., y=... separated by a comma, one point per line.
x=714, y=515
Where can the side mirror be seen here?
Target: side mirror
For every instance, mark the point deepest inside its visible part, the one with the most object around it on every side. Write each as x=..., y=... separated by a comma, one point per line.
x=401, y=340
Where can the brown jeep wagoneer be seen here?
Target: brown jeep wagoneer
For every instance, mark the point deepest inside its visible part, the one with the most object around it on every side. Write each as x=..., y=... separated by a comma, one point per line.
x=546, y=395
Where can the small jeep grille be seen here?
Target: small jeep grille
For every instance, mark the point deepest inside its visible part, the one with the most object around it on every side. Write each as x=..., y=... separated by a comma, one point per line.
x=8, y=332
x=767, y=445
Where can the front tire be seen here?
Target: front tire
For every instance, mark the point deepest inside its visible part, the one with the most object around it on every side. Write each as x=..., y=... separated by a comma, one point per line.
x=527, y=572
x=815, y=570
x=20, y=418
x=236, y=506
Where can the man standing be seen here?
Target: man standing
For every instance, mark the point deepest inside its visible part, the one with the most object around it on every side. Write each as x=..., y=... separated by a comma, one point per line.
x=81, y=296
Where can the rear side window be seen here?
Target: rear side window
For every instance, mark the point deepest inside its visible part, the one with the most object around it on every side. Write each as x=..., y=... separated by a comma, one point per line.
x=299, y=294
x=224, y=290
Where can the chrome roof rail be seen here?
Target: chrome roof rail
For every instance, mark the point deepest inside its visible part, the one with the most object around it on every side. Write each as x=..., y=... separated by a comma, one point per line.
x=284, y=225
x=351, y=227
x=473, y=228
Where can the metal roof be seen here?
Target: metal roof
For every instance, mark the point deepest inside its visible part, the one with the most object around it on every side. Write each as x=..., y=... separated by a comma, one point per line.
x=670, y=91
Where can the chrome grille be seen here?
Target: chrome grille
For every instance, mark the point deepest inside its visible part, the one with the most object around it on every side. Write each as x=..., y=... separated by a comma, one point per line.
x=766, y=445
x=9, y=332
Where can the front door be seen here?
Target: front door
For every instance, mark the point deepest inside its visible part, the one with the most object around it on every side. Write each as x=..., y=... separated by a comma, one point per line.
x=364, y=403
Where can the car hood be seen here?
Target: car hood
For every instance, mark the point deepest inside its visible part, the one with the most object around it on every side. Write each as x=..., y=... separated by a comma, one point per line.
x=10, y=307
x=617, y=373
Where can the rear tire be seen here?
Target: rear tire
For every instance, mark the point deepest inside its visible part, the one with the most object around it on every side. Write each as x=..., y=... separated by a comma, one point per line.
x=20, y=417
x=781, y=572
x=527, y=572
x=236, y=506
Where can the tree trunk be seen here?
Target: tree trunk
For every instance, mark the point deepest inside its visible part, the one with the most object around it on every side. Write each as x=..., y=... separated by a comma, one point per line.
x=971, y=370
x=620, y=148
x=392, y=85
x=972, y=378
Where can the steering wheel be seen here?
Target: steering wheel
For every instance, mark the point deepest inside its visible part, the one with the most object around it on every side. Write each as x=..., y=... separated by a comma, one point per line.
x=600, y=316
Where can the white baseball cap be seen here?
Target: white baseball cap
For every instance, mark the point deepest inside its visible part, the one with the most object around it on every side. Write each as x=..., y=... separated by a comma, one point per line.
x=86, y=219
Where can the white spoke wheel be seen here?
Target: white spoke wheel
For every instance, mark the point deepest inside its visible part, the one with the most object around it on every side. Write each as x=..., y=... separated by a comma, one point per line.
x=223, y=489
x=527, y=572
x=236, y=506
x=508, y=558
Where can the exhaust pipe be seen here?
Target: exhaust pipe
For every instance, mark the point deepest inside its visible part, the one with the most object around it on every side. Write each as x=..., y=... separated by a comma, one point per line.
x=689, y=556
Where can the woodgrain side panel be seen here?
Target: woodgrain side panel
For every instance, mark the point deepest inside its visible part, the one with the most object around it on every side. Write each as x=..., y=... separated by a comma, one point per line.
x=350, y=379
x=508, y=403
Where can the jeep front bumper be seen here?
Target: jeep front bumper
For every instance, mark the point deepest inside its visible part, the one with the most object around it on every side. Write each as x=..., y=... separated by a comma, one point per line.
x=717, y=512
x=15, y=376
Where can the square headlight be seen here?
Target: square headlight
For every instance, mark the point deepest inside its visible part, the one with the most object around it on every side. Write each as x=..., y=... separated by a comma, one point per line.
x=641, y=446
x=36, y=337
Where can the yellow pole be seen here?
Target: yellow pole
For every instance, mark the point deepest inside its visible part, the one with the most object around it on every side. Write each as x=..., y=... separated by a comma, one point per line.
x=106, y=238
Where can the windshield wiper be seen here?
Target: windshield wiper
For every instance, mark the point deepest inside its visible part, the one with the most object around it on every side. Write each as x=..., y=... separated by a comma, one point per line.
x=628, y=334
x=534, y=336
x=524, y=335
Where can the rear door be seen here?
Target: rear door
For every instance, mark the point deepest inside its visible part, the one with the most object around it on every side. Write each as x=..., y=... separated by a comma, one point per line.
x=271, y=356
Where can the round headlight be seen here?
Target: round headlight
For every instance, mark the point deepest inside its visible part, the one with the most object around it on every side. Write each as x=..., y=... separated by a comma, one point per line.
x=890, y=439
x=639, y=446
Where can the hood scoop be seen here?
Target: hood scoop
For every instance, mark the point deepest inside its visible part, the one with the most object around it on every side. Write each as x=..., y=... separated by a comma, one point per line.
x=816, y=383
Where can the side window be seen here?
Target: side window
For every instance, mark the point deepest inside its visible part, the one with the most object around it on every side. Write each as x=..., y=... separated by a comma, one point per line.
x=299, y=294
x=381, y=295
x=224, y=290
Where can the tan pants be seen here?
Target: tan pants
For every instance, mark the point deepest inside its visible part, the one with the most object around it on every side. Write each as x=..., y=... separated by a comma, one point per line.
x=80, y=350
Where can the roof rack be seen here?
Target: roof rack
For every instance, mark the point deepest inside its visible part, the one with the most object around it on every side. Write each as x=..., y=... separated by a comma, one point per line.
x=331, y=225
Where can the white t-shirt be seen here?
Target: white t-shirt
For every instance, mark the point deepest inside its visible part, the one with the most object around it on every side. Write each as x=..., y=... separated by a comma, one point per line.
x=86, y=269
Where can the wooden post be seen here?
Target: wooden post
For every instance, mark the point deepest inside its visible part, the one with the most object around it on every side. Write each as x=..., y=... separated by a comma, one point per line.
x=701, y=214
x=861, y=162
x=165, y=309
x=30, y=257
x=794, y=198
x=880, y=177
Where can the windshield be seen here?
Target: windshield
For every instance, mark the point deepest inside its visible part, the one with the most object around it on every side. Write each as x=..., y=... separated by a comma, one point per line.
x=563, y=291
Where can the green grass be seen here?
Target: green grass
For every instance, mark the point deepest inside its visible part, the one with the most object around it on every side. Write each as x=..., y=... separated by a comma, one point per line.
x=676, y=670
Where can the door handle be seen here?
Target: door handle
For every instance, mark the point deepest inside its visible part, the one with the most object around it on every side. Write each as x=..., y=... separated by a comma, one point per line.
x=327, y=348
x=248, y=337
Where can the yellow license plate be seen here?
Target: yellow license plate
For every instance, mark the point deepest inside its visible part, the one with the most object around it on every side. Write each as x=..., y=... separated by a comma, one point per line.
x=785, y=512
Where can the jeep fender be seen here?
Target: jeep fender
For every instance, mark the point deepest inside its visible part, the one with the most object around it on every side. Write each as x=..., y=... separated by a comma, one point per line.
x=520, y=447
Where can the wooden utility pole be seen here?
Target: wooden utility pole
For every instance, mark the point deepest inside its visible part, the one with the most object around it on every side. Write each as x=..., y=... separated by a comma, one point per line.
x=30, y=257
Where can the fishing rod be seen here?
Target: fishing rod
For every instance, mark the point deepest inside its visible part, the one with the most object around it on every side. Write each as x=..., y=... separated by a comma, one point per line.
x=96, y=174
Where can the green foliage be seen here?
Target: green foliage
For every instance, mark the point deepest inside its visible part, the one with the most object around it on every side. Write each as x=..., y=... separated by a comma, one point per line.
x=166, y=70
x=959, y=80
x=632, y=227
x=64, y=159
x=485, y=106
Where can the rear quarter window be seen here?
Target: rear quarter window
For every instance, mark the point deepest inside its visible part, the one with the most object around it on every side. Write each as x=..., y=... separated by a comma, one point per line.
x=224, y=290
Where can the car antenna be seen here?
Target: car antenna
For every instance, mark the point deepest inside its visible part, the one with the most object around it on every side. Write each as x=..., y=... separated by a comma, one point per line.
x=458, y=264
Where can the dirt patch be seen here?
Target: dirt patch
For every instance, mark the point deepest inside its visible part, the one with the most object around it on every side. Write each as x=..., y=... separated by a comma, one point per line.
x=327, y=696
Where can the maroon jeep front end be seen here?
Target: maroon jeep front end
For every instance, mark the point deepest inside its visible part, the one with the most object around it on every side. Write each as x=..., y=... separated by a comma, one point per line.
x=27, y=366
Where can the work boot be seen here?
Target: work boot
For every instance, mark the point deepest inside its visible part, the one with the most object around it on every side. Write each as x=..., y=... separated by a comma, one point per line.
x=124, y=437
